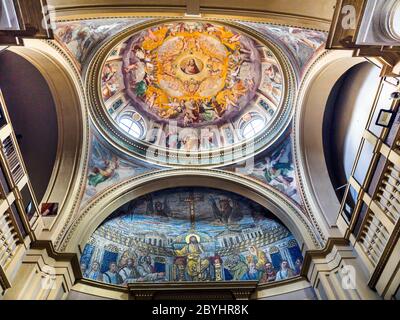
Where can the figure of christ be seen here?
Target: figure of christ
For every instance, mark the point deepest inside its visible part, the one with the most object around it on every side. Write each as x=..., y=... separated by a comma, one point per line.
x=196, y=264
x=190, y=67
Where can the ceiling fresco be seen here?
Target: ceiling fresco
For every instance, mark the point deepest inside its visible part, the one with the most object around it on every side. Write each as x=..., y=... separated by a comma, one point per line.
x=180, y=88
x=300, y=45
x=274, y=167
x=192, y=72
x=81, y=37
x=108, y=167
x=196, y=86
x=191, y=234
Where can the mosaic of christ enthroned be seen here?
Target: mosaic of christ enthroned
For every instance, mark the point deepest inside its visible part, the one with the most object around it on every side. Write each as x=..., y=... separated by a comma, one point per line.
x=191, y=234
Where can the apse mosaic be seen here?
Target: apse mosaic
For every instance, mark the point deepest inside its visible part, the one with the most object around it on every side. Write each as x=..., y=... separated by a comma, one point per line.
x=194, y=85
x=191, y=234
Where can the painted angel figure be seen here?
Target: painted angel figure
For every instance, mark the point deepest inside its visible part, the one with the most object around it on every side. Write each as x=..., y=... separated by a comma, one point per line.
x=277, y=170
x=103, y=170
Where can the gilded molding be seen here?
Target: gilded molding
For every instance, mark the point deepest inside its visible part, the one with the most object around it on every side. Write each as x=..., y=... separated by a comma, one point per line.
x=296, y=152
x=81, y=175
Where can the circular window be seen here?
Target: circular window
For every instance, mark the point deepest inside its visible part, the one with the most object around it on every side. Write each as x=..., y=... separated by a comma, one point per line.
x=390, y=19
x=395, y=19
x=252, y=126
x=133, y=127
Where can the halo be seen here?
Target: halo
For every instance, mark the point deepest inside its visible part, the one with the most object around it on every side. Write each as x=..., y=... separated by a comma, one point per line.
x=187, y=239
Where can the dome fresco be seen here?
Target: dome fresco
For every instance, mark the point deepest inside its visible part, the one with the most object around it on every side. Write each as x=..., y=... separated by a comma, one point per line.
x=191, y=234
x=191, y=73
x=191, y=86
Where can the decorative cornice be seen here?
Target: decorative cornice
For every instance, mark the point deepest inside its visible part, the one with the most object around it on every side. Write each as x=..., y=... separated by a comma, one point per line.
x=59, y=256
x=313, y=254
x=237, y=289
x=245, y=15
x=297, y=153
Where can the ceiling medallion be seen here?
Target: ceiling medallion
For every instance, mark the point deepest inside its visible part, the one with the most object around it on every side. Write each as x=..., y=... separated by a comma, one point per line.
x=189, y=92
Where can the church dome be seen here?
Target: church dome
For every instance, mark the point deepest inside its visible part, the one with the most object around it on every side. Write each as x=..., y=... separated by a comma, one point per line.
x=188, y=92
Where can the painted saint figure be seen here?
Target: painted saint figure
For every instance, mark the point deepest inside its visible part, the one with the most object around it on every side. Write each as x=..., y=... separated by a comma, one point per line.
x=147, y=271
x=94, y=272
x=285, y=271
x=269, y=273
x=257, y=259
x=112, y=276
x=225, y=212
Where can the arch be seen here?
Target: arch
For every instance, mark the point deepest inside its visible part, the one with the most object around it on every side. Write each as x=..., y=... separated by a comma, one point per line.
x=320, y=197
x=33, y=116
x=99, y=209
x=72, y=119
